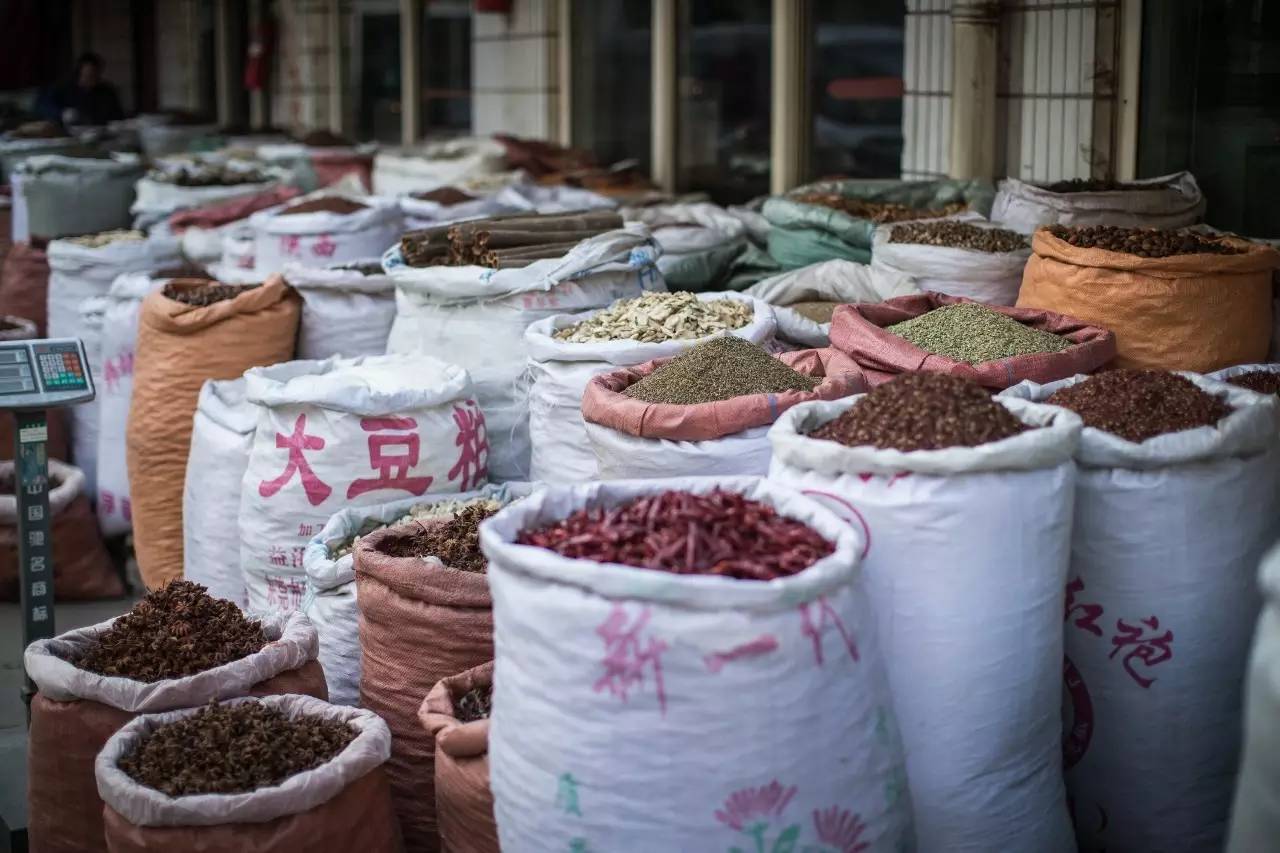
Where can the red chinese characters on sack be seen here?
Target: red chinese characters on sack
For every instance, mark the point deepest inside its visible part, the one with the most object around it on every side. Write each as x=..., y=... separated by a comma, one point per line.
x=1089, y=613
x=284, y=593
x=392, y=467
x=114, y=370
x=814, y=631
x=290, y=245
x=297, y=443
x=472, y=467
x=1148, y=650
x=627, y=655
x=324, y=246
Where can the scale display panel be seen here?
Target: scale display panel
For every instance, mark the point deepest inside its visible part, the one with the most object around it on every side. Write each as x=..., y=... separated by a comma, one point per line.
x=43, y=373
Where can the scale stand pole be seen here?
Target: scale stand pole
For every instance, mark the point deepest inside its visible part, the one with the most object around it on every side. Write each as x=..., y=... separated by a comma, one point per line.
x=35, y=560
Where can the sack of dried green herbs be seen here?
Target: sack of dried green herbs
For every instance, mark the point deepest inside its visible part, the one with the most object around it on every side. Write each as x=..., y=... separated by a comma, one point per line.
x=301, y=795
x=456, y=714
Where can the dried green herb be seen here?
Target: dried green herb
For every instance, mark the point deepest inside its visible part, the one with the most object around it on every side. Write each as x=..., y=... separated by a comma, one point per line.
x=973, y=333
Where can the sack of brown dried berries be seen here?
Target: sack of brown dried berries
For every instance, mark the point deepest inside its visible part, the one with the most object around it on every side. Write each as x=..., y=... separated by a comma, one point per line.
x=456, y=714
x=276, y=775
x=1169, y=201
x=965, y=501
x=178, y=648
x=678, y=645
x=1188, y=302
x=1175, y=504
x=959, y=256
x=425, y=614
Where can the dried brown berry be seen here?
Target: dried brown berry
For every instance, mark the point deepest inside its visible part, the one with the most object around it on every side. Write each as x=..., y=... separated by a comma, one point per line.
x=1142, y=242
x=1262, y=381
x=204, y=294
x=1140, y=404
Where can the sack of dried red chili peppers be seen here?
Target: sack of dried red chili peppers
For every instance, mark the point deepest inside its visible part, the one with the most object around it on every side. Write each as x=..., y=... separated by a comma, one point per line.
x=723, y=619
x=1175, y=504
x=966, y=504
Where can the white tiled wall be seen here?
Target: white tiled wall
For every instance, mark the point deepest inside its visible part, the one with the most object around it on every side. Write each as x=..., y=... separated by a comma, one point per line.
x=926, y=103
x=514, y=64
x=300, y=84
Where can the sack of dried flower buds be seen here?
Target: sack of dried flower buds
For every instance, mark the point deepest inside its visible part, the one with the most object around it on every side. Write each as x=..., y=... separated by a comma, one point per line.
x=456, y=713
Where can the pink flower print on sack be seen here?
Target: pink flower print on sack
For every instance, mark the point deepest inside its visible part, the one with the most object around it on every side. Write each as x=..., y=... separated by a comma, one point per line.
x=751, y=811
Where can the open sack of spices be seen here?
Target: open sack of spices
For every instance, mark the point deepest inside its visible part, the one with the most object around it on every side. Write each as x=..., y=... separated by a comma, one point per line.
x=633, y=614
x=1175, y=504
x=504, y=242
x=278, y=774
x=347, y=308
x=1177, y=300
x=957, y=256
x=699, y=241
x=831, y=220
x=992, y=345
x=177, y=648
x=475, y=316
x=1169, y=201
x=329, y=561
x=202, y=228
x=706, y=411
x=456, y=713
x=567, y=350
x=422, y=589
x=324, y=228
x=804, y=299
x=181, y=184
x=965, y=502
x=58, y=196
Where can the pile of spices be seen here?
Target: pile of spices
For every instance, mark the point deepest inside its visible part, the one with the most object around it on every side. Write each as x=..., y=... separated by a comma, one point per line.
x=819, y=311
x=973, y=333
x=1262, y=381
x=444, y=196
x=177, y=630
x=328, y=204
x=958, y=235
x=422, y=512
x=474, y=705
x=198, y=174
x=1140, y=404
x=717, y=533
x=1143, y=242
x=719, y=369
x=106, y=238
x=233, y=749
x=879, y=212
x=1093, y=185
x=922, y=411
x=504, y=242
x=657, y=317
x=454, y=542
x=204, y=294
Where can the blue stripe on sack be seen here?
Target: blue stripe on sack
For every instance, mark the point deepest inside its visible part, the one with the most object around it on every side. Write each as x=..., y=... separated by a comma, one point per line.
x=773, y=407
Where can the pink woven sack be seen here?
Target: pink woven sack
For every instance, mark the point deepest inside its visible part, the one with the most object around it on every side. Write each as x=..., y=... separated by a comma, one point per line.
x=464, y=803
x=604, y=403
x=859, y=330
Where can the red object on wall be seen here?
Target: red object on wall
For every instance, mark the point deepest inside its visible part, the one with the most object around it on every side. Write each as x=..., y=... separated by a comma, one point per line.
x=502, y=7
x=258, y=61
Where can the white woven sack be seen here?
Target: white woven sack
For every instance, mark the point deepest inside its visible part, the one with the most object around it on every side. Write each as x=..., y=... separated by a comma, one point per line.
x=66, y=483
x=300, y=793
x=965, y=561
x=113, y=380
x=347, y=432
x=828, y=281
x=410, y=170
x=620, y=456
x=239, y=250
x=688, y=229
x=993, y=278
x=159, y=140
x=419, y=213
x=524, y=195
x=1171, y=201
x=84, y=416
x=19, y=227
x=768, y=699
x=1160, y=607
x=321, y=239
x=221, y=438
x=560, y=371
x=330, y=599
x=157, y=200
x=476, y=317
x=77, y=272
x=344, y=311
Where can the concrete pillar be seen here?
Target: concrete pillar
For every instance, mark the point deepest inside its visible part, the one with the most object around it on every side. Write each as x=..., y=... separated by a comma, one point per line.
x=225, y=79
x=790, y=118
x=257, y=97
x=337, y=67
x=410, y=71
x=975, y=32
x=665, y=113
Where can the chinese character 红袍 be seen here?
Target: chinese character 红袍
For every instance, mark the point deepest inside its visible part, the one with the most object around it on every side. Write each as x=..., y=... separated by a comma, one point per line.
x=1149, y=651
x=1089, y=613
x=392, y=468
x=297, y=443
x=627, y=655
x=472, y=467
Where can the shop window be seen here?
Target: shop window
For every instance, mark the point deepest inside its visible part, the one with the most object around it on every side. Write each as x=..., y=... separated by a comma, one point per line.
x=612, y=76
x=446, y=67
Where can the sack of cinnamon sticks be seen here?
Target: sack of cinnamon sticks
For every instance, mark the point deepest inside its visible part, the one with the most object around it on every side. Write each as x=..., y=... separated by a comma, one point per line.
x=505, y=242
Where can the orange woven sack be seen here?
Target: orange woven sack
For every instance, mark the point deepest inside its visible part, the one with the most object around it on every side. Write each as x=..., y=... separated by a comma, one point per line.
x=464, y=803
x=860, y=331
x=179, y=347
x=1185, y=312
x=420, y=621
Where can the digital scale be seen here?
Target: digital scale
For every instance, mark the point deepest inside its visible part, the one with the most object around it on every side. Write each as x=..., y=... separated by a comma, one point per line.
x=35, y=376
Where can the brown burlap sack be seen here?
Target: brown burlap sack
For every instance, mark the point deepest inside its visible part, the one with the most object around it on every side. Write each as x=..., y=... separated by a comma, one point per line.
x=464, y=803
x=420, y=621
x=179, y=347
x=859, y=330
x=24, y=283
x=1186, y=312
x=14, y=328
x=75, y=712
x=82, y=568
x=344, y=804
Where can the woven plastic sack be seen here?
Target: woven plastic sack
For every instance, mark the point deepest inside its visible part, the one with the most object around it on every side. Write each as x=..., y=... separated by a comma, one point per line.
x=82, y=568
x=159, y=140
x=343, y=804
x=84, y=417
x=66, y=196
x=968, y=614
x=860, y=331
x=733, y=678
x=692, y=237
x=464, y=804
x=476, y=317
x=78, y=272
x=1185, y=312
x=420, y=621
x=560, y=372
x=804, y=234
x=24, y=283
x=159, y=200
x=1160, y=608
x=829, y=281
x=179, y=347
x=75, y=712
x=633, y=439
x=1169, y=201
x=990, y=277
x=426, y=167
x=322, y=238
x=344, y=311
x=332, y=165
x=15, y=150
